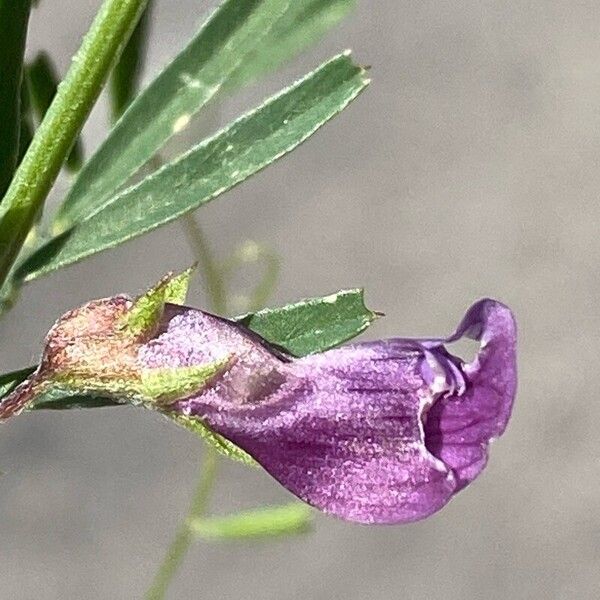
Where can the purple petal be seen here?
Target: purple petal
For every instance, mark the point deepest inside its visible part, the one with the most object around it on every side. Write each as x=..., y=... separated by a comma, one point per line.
x=380, y=432
x=344, y=434
x=459, y=428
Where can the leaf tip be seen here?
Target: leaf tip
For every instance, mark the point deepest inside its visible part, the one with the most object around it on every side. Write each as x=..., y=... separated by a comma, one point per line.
x=373, y=315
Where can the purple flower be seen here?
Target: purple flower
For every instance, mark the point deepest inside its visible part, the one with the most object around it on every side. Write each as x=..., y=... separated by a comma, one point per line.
x=378, y=432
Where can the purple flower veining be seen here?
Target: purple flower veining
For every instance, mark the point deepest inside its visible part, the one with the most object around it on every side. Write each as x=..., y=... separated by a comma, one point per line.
x=376, y=432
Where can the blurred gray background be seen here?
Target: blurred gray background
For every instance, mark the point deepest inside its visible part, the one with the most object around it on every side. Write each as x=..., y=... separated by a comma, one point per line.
x=470, y=167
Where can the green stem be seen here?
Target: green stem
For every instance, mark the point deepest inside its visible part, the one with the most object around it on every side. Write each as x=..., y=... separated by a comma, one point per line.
x=58, y=131
x=184, y=535
x=14, y=18
x=215, y=286
x=42, y=80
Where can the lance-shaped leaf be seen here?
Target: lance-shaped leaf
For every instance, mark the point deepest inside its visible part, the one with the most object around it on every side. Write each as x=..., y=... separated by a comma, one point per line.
x=207, y=170
x=270, y=521
x=304, y=23
x=9, y=381
x=61, y=399
x=168, y=103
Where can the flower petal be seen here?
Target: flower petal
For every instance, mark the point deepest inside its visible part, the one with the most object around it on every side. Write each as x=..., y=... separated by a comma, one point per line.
x=459, y=428
x=380, y=432
x=344, y=433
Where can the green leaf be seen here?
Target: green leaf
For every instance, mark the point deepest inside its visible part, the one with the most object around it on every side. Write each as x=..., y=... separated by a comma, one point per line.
x=14, y=18
x=167, y=105
x=207, y=170
x=313, y=325
x=42, y=84
x=9, y=381
x=304, y=23
x=57, y=398
x=125, y=77
x=270, y=521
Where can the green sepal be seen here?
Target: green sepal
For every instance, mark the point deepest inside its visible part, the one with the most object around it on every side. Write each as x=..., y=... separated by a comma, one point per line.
x=147, y=309
x=154, y=386
x=168, y=384
x=218, y=442
x=116, y=386
x=176, y=287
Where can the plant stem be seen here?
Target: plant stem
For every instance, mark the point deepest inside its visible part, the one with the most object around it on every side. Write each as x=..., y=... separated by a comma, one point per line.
x=42, y=80
x=215, y=286
x=184, y=535
x=58, y=131
x=14, y=18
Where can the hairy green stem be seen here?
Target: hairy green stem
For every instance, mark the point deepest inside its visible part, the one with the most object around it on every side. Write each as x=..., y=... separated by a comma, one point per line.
x=42, y=82
x=14, y=18
x=58, y=131
x=184, y=535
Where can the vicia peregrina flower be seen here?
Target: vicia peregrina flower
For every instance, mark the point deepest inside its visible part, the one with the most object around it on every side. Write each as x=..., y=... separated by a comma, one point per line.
x=376, y=432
